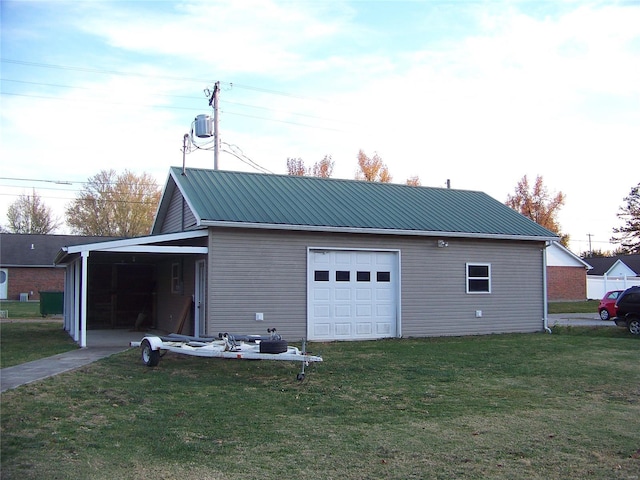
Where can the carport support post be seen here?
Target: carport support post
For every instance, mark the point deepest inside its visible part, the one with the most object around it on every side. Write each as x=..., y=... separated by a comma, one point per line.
x=83, y=301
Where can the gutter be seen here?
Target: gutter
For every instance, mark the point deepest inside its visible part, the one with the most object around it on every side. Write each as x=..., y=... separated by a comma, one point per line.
x=371, y=230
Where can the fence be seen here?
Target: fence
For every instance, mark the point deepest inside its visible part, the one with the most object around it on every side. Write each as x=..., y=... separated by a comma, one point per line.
x=597, y=286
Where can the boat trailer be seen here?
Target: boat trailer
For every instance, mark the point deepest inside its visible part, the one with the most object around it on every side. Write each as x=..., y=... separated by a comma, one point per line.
x=225, y=345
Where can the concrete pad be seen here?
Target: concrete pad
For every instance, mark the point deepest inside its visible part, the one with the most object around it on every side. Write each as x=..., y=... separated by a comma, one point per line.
x=12, y=377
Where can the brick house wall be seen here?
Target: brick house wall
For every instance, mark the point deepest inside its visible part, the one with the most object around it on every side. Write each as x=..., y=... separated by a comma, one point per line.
x=34, y=279
x=566, y=284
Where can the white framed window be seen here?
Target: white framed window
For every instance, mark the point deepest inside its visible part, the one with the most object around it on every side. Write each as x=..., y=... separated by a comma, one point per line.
x=176, y=278
x=478, y=277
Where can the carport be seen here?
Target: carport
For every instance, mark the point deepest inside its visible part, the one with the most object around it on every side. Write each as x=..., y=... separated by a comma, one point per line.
x=133, y=258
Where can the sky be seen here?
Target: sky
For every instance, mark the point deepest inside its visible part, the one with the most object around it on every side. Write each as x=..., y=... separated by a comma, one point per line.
x=479, y=93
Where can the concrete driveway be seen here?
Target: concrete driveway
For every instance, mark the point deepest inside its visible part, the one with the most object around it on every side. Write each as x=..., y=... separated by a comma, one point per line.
x=579, y=319
x=100, y=344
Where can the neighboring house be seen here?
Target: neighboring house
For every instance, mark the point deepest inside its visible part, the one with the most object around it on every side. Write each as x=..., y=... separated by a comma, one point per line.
x=324, y=259
x=612, y=273
x=566, y=275
x=26, y=264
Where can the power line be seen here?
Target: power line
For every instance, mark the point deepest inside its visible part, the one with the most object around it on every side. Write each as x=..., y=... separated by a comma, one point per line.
x=189, y=97
x=70, y=182
x=172, y=108
x=99, y=71
x=111, y=200
x=154, y=76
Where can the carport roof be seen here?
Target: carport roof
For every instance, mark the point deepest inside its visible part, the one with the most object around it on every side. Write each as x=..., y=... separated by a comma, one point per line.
x=155, y=244
x=240, y=199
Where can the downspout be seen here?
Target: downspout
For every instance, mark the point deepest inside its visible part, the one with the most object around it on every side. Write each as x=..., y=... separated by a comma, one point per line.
x=545, y=319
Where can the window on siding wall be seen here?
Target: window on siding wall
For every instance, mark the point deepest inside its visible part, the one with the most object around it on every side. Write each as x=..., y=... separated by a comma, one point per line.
x=478, y=278
x=176, y=281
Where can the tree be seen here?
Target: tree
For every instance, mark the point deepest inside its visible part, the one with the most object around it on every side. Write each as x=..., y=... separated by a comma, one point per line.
x=414, y=181
x=295, y=166
x=629, y=233
x=29, y=214
x=372, y=169
x=323, y=168
x=115, y=205
x=537, y=205
x=596, y=253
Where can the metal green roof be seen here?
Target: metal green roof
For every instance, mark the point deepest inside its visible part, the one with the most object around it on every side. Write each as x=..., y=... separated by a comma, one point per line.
x=282, y=201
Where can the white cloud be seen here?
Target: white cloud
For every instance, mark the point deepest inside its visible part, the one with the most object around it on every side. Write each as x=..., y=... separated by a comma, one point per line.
x=556, y=93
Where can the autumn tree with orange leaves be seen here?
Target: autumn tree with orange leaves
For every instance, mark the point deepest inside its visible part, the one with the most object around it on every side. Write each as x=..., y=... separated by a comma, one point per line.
x=323, y=168
x=372, y=169
x=536, y=203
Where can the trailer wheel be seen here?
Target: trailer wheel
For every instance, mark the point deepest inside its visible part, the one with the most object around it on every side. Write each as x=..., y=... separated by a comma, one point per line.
x=273, y=346
x=150, y=357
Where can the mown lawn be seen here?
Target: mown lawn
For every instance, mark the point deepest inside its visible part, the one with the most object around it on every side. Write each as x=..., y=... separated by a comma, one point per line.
x=533, y=406
x=22, y=342
x=586, y=306
x=21, y=309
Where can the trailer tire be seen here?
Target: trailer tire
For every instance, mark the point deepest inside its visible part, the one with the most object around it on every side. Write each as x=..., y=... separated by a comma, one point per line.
x=150, y=357
x=273, y=346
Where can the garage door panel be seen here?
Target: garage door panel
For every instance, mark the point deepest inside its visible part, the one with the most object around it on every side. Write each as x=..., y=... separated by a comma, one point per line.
x=364, y=328
x=343, y=329
x=363, y=311
x=321, y=311
x=385, y=260
x=342, y=294
x=342, y=258
x=364, y=258
x=384, y=294
x=363, y=294
x=321, y=294
x=321, y=259
x=342, y=311
x=321, y=330
x=383, y=329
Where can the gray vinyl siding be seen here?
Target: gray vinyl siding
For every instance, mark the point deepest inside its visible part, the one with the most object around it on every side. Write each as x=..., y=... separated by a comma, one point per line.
x=264, y=271
x=434, y=298
x=179, y=216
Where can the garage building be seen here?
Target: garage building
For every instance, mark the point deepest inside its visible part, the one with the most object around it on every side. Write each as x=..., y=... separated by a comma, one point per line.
x=324, y=259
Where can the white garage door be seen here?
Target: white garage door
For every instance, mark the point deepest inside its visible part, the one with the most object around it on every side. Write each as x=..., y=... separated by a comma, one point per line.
x=352, y=295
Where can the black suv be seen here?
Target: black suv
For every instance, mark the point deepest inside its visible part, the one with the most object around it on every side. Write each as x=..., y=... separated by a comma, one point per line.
x=628, y=310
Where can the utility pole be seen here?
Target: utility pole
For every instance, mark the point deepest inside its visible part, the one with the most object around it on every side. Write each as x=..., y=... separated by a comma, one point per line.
x=590, y=235
x=213, y=102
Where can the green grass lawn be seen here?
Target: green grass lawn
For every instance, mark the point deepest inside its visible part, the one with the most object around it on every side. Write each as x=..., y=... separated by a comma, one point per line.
x=586, y=306
x=533, y=406
x=21, y=309
x=22, y=342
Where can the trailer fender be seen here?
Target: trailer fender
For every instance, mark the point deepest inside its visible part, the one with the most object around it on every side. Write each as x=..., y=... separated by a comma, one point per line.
x=150, y=356
x=155, y=342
